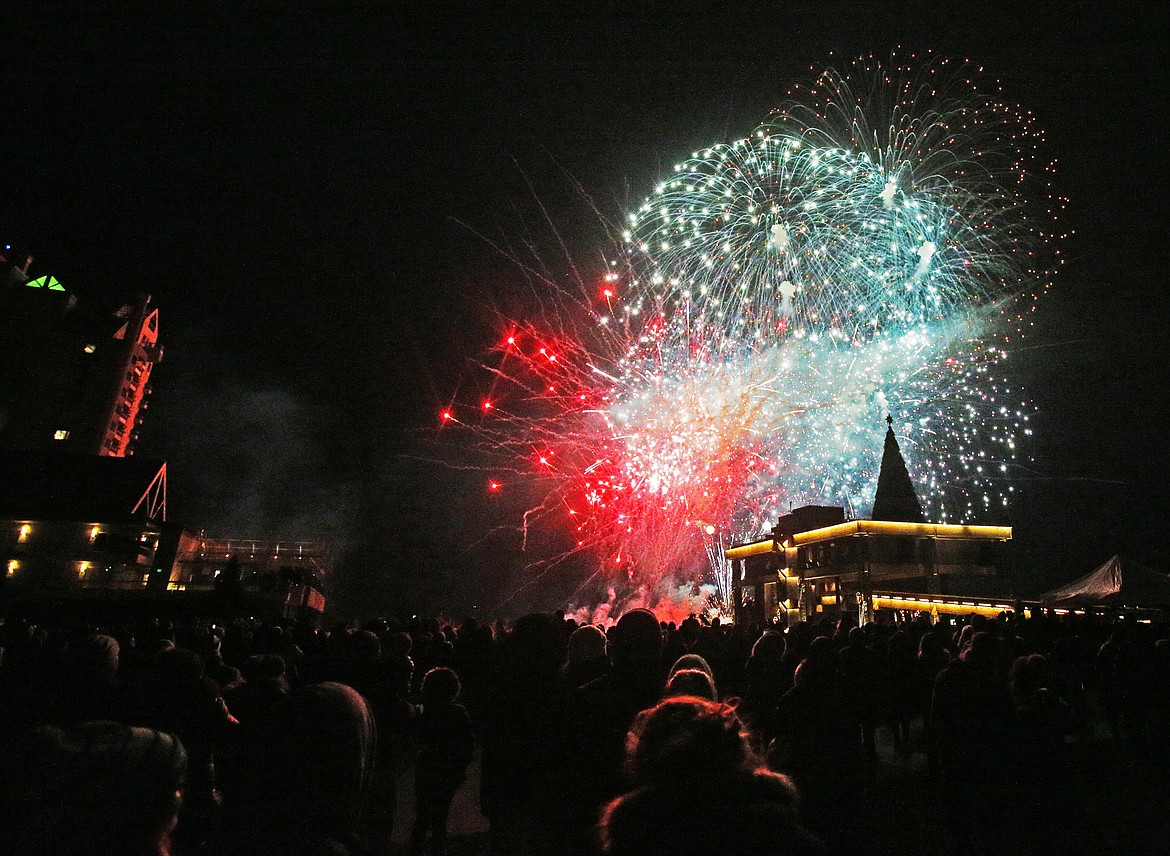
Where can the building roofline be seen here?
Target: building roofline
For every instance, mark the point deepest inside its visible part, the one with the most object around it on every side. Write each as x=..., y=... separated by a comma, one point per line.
x=941, y=531
x=859, y=528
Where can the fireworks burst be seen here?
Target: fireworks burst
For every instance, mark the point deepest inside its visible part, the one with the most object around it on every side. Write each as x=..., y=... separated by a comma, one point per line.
x=870, y=248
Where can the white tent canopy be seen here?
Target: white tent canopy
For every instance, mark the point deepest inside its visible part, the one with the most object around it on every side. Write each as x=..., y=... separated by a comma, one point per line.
x=1118, y=582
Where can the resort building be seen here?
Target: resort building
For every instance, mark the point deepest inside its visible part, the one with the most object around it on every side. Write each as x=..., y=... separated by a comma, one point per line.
x=817, y=561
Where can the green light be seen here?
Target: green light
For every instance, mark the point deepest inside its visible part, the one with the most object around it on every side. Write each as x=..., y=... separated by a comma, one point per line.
x=49, y=282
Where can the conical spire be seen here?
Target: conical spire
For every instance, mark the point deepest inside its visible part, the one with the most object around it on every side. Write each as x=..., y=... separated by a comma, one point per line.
x=895, y=499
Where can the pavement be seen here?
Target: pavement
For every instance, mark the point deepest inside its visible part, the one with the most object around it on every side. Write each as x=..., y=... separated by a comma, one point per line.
x=467, y=829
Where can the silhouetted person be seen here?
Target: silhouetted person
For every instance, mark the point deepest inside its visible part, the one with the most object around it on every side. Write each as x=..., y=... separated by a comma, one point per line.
x=302, y=783
x=599, y=717
x=933, y=657
x=445, y=747
x=715, y=649
x=89, y=680
x=971, y=717
x=902, y=676
x=519, y=734
x=691, y=661
x=1109, y=685
x=766, y=679
x=388, y=693
x=691, y=682
x=861, y=674
x=263, y=684
x=817, y=741
x=587, y=659
x=1042, y=771
x=94, y=789
x=176, y=697
x=686, y=753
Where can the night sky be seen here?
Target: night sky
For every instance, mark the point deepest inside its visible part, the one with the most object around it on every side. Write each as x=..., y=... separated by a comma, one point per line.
x=311, y=192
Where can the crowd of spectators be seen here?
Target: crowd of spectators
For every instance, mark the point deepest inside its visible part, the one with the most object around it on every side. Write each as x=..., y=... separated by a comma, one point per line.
x=201, y=738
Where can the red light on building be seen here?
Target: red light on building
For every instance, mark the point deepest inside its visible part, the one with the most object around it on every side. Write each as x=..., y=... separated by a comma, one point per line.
x=91, y=405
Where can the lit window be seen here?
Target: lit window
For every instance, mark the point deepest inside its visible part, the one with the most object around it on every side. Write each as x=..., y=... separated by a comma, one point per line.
x=94, y=532
x=60, y=434
x=89, y=349
x=24, y=532
x=13, y=565
x=82, y=567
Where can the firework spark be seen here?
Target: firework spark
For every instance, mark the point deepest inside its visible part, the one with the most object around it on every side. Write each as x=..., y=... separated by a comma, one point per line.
x=870, y=248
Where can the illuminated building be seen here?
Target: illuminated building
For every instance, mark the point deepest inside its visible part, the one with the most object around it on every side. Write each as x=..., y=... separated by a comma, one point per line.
x=90, y=534
x=817, y=561
x=295, y=569
x=72, y=378
x=71, y=523
x=84, y=525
